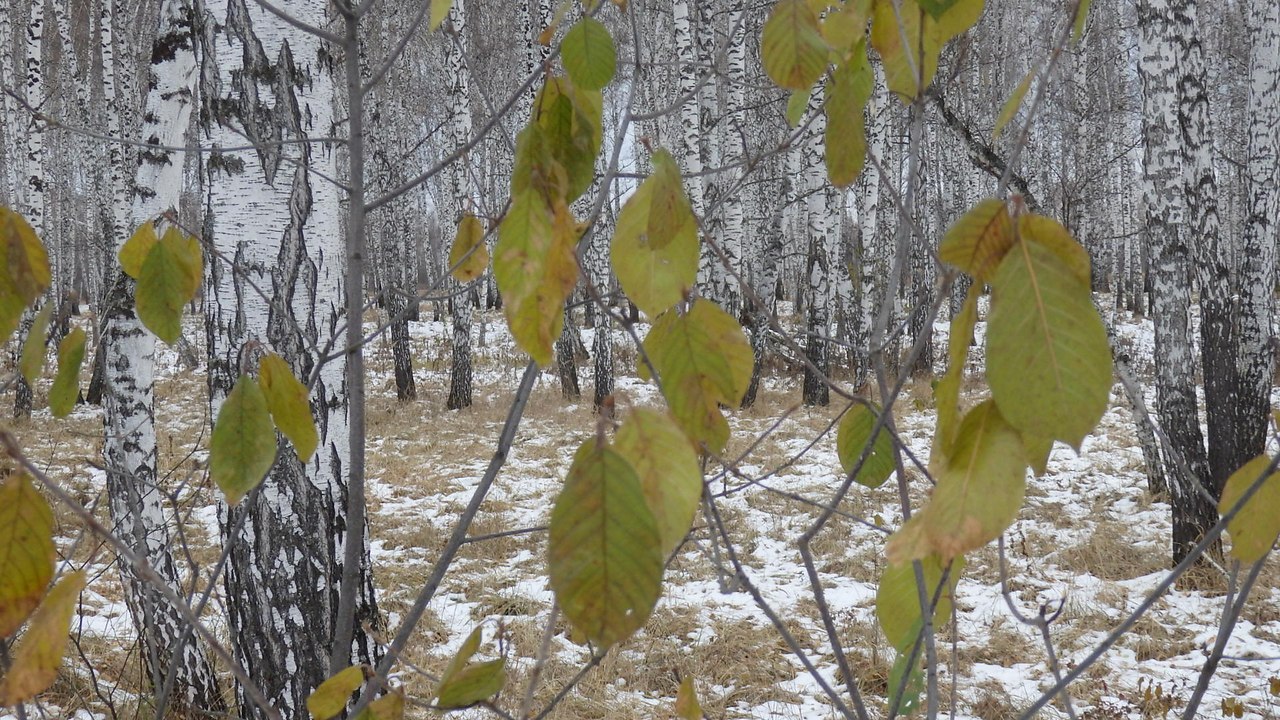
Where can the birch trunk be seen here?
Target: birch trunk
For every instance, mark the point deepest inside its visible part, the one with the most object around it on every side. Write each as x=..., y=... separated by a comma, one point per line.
x=462, y=187
x=274, y=223
x=1257, y=279
x=1171, y=274
x=136, y=500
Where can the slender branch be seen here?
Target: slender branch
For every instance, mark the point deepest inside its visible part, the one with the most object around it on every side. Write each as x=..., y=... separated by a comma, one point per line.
x=456, y=540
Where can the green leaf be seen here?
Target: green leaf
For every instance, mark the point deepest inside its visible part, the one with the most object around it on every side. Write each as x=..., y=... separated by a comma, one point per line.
x=169, y=280
x=135, y=250
x=464, y=683
x=687, y=705
x=1014, y=102
x=958, y=18
x=66, y=384
x=1050, y=233
x=604, y=550
x=289, y=404
x=704, y=361
x=655, y=246
x=1082, y=16
x=947, y=392
x=906, y=682
x=978, y=493
x=936, y=8
x=35, y=661
x=1048, y=360
x=387, y=707
x=26, y=550
x=570, y=119
x=243, y=445
x=33, y=348
x=439, y=11
x=331, y=697
x=24, y=269
x=852, y=438
x=979, y=240
x=910, y=68
x=794, y=53
x=468, y=256
x=536, y=268
x=588, y=54
x=1255, y=527
x=668, y=469
x=535, y=169
x=898, y=599
x=907, y=68
x=845, y=26
x=846, y=137
x=797, y=105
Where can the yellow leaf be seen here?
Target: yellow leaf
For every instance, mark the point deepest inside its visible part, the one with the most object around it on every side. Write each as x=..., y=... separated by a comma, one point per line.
x=979, y=490
x=793, y=51
x=331, y=697
x=439, y=11
x=704, y=360
x=24, y=269
x=687, y=705
x=1255, y=527
x=852, y=438
x=35, y=662
x=66, y=384
x=907, y=68
x=135, y=250
x=910, y=67
x=845, y=137
x=169, y=280
x=536, y=268
x=243, y=445
x=898, y=599
x=387, y=707
x=1082, y=16
x=32, y=362
x=979, y=240
x=603, y=550
x=1014, y=102
x=1048, y=359
x=843, y=28
x=290, y=405
x=588, y=54
x=947, y=392
x=469, y=256
x=655, y=246
x=26, y=550
x=797, y=104
x=1050, y=233
x=667, y=466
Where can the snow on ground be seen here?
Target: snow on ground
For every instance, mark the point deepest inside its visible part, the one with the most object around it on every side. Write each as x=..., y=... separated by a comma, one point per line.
x=1089, y=538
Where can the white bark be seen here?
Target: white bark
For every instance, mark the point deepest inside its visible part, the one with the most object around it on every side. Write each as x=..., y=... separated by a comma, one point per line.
x=1166, y=236
x=463, y=194
x=1258, y=249
x=136, y=500
x=275, y=216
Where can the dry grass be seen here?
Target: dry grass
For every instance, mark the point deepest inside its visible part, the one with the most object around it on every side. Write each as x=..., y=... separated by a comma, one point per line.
x=421, y=453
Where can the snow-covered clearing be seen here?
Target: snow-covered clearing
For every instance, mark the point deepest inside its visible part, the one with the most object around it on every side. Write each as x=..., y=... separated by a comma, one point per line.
x=1089, y=536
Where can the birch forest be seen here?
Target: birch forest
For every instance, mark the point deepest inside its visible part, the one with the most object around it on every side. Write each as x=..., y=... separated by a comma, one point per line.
x=385, y=359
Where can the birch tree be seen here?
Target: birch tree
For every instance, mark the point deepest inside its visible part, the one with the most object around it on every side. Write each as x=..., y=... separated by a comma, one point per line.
x=276, y=282
x=1166, y=235
x=137, y=501
x=1257, y=256
x=462, y=193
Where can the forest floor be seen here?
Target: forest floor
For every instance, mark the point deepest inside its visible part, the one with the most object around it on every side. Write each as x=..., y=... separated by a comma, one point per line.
x=1089, y=536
